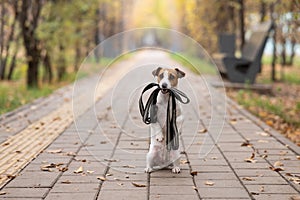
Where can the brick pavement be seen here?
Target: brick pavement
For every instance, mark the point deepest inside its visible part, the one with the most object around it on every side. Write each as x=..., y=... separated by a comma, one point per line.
x=102, y=156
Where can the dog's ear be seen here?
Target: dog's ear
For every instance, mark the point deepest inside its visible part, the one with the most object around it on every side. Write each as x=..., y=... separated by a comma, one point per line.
x=180, y=73
x=156, y=71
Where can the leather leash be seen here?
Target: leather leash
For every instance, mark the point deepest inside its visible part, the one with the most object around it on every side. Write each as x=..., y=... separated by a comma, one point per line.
x=149, y=112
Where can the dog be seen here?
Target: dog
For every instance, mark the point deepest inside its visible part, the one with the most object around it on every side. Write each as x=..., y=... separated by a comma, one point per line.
x=158, y=155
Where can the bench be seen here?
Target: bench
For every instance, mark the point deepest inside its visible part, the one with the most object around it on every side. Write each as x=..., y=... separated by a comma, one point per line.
x=245, y=68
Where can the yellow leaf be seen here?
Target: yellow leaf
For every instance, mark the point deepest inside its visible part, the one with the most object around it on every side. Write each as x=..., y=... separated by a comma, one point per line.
x=209, y=183
x=79, y=170
x=138, y=184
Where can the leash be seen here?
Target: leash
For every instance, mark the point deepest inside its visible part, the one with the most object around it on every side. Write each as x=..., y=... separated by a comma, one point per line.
x=149, y=112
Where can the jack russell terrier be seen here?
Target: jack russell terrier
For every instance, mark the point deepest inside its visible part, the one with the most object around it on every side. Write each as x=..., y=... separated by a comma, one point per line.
x=159, y=156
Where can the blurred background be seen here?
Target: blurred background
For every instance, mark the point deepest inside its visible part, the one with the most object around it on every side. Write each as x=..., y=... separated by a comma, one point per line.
x=43, y=42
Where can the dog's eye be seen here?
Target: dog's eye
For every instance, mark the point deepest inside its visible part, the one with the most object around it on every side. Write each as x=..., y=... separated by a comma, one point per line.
x=171, y=77
x=161, y=76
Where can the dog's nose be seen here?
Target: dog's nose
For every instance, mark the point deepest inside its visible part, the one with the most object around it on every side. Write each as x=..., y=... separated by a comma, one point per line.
x=164, y=85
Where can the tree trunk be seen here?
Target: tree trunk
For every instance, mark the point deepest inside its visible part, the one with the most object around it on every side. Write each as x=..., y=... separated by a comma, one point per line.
x=273, y=72
x=48, y=76
x=12, y=64
x=291, y=61
x=29, y=13
x=2, y=68
x=262, y=10
x=10, y=39
x=242, y=23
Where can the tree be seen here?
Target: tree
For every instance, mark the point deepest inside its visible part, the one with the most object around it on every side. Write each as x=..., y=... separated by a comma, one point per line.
x=28, y=13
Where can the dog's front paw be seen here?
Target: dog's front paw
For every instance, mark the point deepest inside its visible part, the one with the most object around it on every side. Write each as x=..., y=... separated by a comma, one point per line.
x=159, y=137
x=176, y=170
x=148, y=169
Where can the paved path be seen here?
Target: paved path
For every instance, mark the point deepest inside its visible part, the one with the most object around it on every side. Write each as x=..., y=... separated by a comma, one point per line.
x=226, y=153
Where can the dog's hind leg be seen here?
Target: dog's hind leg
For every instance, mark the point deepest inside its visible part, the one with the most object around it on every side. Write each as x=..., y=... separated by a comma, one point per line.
x=175, y=159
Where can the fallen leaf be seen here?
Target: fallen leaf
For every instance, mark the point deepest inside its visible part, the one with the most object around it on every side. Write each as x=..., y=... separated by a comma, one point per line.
x=251, y=159
x=263, y=134
x=278, y=164
x=66, y=182
x=46, y=169
x=5, y=144
x=103, y=142
x=214, y=158
x=126, y=176
x=18, y=151
x=54, y=151
x=248, y=179
x=283, y=153
x=109, y=175
x=298, y=157
x=2, y=192
x=70, y=153
x=209, y=183
x=101, y=178
x=254, y=193
x=79, y=170
x=128, y=166
x=295, y=197
x=195, y=188
x=63, y=169
x=116, y=179
x=269, y=122
x=233, y=122
x=263, y=141
x=138, y=184
x=264, y=156
x=276, y=169
x=194, y=173
x=262, y=189
x=246, y=144
x=89, y=171
x=204, y=130
x=120, y=184
x=110, y=160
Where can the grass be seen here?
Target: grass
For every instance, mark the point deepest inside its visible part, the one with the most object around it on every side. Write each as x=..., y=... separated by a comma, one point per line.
x=14, y=94
x=258, y=104
x=290, y=73
x=195, y=64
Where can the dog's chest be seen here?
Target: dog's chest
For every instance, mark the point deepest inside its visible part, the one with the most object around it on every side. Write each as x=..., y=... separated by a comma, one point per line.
x=162, y=109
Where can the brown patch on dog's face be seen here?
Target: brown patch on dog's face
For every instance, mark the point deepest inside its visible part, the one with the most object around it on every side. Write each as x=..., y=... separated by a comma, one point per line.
x=168, y=76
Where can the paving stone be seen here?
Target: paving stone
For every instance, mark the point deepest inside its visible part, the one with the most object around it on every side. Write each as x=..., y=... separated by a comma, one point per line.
x=230, y=193
x=123, y=185
x=275, y=196
x=173, y=197
x=265, y=180
x=24, y=192
x=72, y=196
x=34, y=179
x=75, y=188
x=215, y=176
x=171, y=181
x=172, y=190
x=272, y=189
x=122, y=195
x=231, y=183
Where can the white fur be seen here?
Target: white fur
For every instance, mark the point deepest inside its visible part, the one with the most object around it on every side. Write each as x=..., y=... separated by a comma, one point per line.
x=158, y=156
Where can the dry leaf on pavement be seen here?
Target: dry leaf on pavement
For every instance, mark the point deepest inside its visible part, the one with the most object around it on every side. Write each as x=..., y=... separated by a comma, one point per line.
x=101, y=178
x=209, y=183
x=79, y=170
x=204, y=130
x=276, y=169
x=248, y=179
x=138, y=184
x=278, y=164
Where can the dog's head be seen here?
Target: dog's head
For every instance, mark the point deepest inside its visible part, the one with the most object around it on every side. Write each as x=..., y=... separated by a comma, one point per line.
x=167, y=78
